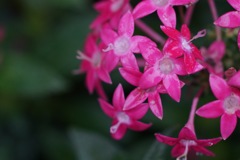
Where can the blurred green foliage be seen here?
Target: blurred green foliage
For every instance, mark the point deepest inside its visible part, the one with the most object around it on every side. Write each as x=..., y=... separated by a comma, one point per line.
x=46, y=112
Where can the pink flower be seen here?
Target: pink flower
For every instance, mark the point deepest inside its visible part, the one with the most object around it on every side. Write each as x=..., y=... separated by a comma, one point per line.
x=161, y=68
x=123, y=44
x=110, y=11
x=213, y=57
x=96, y=64
x=164, y=10
x=187, y=140
x=181, y=45
x=123, y=119
x=231, y=19
x=227, y=105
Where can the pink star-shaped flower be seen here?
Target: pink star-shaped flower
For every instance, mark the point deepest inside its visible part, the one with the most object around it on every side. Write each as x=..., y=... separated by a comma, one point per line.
x=161, y=68
x=123, y=119
x=96, y=64
x=123, y=44
x=110, y=11
x=180, y=45
x=231, y=19
x=213, y=57
x=139, y=95
x=227, y=105
x=164, y=9
x=187, y=140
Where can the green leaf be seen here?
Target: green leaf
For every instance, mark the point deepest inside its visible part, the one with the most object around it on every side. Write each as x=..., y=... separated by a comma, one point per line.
x=25, y=76
x=91, y=146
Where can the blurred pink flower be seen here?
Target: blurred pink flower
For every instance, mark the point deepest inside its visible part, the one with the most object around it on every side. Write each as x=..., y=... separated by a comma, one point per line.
x=96, y=64
x=213, y=57
x=231, y=19
x=123, y=119
x=110, y=11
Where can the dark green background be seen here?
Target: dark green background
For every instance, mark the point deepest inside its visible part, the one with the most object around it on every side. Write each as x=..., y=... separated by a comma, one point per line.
x=46, y=112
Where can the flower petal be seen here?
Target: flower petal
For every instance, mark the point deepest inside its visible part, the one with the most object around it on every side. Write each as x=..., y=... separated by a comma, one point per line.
x=139, y=126
x=209, y=142
x=211, y=110
x=120, y=132
x=90, y=80
x=200, y=149
x=168, y=16
x=138, y=112
x=129, y=61
x=238, y=39
x=185, y=32
x=165, y=139
x=155, y=104
x=219, y=87
x=173, y=87
x=108, y=36
x=190, y=62
x=178, y=150
x=107, y=108
x=142, y=9
x=136, y=40
x=149, y=78
x=118, y=97
x=150, y=52
x=110, y=61
x=235, y=4
x=136, y=97
x=228, y=124
x=229, y=20
x=104, y=76
x=126, y=24
x=187, y=133
x=132, y=76
x=235, y=80
x=180, y=2
x=172, y=49
x=171, y=32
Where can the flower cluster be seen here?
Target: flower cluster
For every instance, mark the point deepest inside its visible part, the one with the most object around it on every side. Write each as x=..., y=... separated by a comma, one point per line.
x=153, y=70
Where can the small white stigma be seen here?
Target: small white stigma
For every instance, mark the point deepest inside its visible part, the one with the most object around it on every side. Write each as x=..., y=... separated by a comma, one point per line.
x=109, y=48
x=82, y=56
x=122, y=118
x=186, y=43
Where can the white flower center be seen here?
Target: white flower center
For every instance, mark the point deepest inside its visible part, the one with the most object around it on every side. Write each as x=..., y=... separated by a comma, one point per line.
x=122, y=118
x=116, y=5
x=231, y=104
x=166, y=65
x=121, y=45
x=185, y=45
x=188, y=143
x=160, y=3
